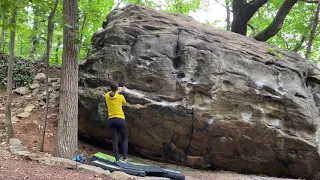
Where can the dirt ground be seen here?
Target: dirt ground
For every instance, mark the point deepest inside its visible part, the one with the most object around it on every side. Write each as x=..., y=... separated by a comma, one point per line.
x=17, y=169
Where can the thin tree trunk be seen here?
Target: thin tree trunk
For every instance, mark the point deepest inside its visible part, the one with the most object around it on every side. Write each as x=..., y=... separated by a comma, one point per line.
x=9, y=84
x=299, y=44
x=20, y=43
x=228, y=15
x=284, y=40
x=82, y=28
x=57, y=50
x=2, y=33
x=119, y=2
x=67, y=139
x=34, y=37
x=313, y=31
x=47, y=57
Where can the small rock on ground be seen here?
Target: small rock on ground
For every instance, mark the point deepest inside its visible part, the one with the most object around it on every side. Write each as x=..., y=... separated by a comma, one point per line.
x=118, y=175
x=40, y=77
x=23, y=115
x=94, y=169
x=34, y=86
x=61, y=162
x=14, y=141
x=22, y=90
x=29, y=108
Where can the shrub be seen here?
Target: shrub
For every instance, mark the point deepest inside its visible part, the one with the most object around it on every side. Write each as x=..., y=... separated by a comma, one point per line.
x=23, y=71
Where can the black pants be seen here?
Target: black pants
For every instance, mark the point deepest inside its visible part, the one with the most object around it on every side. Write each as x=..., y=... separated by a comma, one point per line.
x=117, y=126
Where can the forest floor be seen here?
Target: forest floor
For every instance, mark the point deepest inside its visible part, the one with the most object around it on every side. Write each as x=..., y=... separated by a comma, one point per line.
x=28, y=130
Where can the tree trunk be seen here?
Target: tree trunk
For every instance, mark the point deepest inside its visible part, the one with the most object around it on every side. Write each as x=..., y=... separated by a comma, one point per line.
x=313, y=31
x=228, y=15
x=57, y=50
x=34, y=37
x=9, y=84
x=239, y=23
x=67, y=139
x=242, y=13
x=277, y=22
x=47, y=57
x=2, y=33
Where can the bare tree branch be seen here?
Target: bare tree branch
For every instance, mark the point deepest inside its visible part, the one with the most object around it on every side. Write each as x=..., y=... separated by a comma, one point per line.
x=119, y=2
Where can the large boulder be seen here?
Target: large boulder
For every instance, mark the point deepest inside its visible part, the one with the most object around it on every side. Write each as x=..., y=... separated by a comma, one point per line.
x=203, y=97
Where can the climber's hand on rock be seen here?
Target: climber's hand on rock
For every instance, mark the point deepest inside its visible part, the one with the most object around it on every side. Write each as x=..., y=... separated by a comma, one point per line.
x=121, y=89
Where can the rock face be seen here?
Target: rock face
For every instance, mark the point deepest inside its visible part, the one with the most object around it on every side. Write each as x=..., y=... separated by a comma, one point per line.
x=203, y=97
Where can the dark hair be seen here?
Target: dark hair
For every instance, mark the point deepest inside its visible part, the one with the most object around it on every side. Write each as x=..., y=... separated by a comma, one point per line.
x=114, y=87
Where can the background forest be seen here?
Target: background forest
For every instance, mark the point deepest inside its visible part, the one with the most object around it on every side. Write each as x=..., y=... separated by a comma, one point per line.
x=299, y=19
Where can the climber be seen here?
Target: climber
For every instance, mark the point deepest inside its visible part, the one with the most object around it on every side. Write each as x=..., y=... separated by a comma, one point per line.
x=117, y=123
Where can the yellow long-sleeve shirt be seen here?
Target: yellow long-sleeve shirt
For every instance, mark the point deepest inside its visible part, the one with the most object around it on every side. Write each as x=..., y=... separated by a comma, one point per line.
x=114, y=105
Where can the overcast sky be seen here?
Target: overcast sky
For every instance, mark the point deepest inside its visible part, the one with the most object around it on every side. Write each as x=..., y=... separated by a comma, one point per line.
x=214, y=11
x=211, y=12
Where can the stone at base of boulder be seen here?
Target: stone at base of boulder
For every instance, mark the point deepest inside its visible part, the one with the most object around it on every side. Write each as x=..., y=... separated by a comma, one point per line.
x=61, y=162
x=14, y=141
x=93, y=169
x=118, y=175
x=14, y=119
x=29, y=108
x=23, y=154
x=196, y=161
x=16, y=147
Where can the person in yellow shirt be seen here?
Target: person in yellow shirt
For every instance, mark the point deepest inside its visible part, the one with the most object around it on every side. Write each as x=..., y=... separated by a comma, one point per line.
x=117, y=123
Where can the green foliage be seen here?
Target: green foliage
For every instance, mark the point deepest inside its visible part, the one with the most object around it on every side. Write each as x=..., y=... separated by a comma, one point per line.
x=182, y=6
x=271, y=50
x=23, y=72
x=92, y=13
x=297, y=25
x=146, y=3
